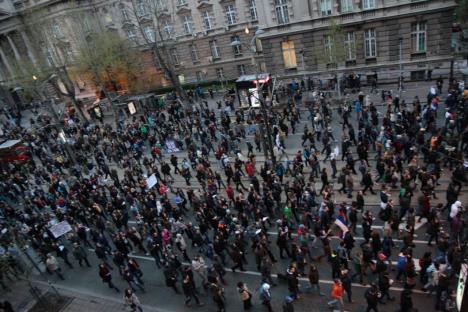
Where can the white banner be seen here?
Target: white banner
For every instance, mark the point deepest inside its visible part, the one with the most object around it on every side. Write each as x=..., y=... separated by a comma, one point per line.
x=60, y=229
x=151, y=181
x=171, y=147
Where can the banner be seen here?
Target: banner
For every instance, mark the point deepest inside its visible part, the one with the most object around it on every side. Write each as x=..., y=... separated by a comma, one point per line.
x=151, y=181
x=171, y=146
x=60, y=229
x=342, y=226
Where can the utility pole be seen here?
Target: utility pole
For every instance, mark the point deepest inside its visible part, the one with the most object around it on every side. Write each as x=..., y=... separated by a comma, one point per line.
x=265, y=129
x=400, y=77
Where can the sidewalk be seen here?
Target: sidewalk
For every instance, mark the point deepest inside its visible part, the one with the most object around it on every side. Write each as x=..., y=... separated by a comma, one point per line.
x=22, y=299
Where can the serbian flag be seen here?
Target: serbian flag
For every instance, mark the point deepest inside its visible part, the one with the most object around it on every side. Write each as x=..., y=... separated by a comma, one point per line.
x=342, y=226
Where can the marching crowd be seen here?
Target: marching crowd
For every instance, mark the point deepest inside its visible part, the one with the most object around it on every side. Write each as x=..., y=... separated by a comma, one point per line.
x=213, y=205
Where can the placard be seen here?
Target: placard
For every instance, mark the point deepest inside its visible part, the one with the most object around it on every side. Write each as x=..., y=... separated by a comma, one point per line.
x=60, y=229
x=151, y=181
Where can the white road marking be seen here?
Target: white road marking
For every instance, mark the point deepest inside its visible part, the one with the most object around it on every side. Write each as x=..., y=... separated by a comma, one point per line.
x=416, y=262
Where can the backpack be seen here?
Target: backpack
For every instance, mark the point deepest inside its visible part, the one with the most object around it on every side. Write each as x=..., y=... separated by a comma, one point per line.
x=263, y=296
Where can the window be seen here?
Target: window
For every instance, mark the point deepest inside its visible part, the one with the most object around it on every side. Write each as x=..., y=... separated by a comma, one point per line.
x=236, y=45
x=87, y=24
x=167, y=29
x=346, y=6
x=199, y=75
x=289, y=54
x=49, y=55
x=368, y=4
x=207, y=20
x=350, y=46
x=141, y=7
x=418, y=37
x=241, y=69
x=230, y=12
x=161, y=5
x=194, y=53
x=149, y=33
x=328, y=47
x=131, y=34
x=326, y=7
x=174, y=56
x=220, y=73
x=108, y=19
x=187, y=23
x=281, y=9
x=181, y=2
x=125, y=17
x=253, y=10
x=57, y=30
x=370, y=43
x=215, y=51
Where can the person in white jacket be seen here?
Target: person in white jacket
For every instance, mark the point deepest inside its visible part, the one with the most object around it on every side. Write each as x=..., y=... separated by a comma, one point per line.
x=198, y=266
x=132, y=300
x=455, y=208
x=182, y=246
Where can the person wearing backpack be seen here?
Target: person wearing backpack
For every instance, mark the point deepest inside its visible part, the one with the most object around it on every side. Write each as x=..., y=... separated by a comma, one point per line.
x=372, y=297
x=245, y=295
x=265, y=296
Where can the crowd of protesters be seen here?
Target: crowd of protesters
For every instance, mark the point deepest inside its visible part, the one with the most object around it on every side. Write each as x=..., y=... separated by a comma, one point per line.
x=213, y=203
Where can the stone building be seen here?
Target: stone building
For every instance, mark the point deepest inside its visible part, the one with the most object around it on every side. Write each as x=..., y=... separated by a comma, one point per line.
x=299, y=35
x=206, y=38
x=208, y=42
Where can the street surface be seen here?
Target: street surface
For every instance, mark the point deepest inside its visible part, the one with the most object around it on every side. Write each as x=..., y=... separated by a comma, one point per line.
x=158, y=297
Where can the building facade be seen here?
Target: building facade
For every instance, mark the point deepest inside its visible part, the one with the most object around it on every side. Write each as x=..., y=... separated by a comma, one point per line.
x=372, y=35
x=208, y=42
x=206, y=38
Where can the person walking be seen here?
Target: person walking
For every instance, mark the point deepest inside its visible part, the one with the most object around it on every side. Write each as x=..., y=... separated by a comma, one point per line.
x=129, y=277
x=245, y=295
x=132, y=300
x=170, y=275
x=347, y=284
x=218, y=297
x=293, y=282
x=80, y=255
x=337, y=295
x=62, y=252
x=406, y=301
x=372, y=297
x=52, y=266
x=189, y=291
x=314, y=279
x=265, y=296
x=106, y=276
x=288, y=305
x=384, y=287
x=198, y=266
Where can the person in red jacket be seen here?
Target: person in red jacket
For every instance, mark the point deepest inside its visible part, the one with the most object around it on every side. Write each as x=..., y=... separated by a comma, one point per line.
x=249, y=169
x=337, y=295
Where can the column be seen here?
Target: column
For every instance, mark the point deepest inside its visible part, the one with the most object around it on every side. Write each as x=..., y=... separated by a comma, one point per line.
x=27, y=43
x=13, y=47
x=5, y=61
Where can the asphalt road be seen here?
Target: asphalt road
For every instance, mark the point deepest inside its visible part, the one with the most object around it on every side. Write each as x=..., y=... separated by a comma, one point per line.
x=159, y=296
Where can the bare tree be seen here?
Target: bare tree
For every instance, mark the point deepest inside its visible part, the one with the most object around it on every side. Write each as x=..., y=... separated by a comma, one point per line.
x=162, y=42
x=52, y=55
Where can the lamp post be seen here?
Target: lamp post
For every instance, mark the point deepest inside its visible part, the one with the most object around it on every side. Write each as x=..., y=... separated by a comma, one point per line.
x=266, y=130
x=400, y=77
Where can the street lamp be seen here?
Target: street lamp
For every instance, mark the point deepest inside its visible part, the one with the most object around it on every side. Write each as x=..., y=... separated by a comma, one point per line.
x=266, y=126
x=400, y=78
